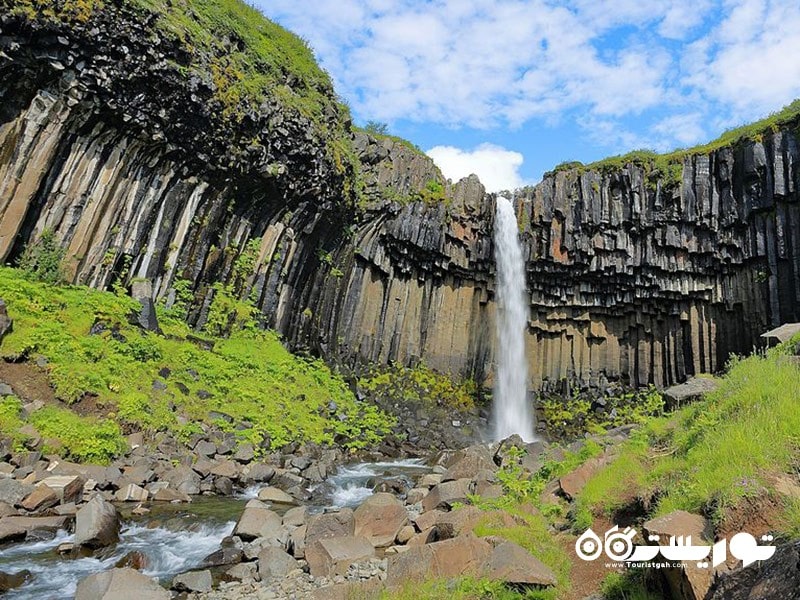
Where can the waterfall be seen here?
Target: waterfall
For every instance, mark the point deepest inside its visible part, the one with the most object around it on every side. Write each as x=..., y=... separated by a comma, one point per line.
x=512, y=412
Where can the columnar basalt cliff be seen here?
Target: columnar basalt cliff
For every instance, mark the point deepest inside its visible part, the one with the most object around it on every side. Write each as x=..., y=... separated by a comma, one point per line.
x=117, y=137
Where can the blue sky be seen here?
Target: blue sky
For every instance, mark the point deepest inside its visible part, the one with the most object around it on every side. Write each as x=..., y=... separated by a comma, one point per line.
x=510, y=88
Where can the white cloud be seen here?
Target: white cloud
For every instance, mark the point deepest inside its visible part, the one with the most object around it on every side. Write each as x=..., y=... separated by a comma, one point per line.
x=497, y=167
x=644, y=73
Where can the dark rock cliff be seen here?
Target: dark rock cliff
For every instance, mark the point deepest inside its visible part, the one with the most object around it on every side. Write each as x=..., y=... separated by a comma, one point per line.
x=106, y=140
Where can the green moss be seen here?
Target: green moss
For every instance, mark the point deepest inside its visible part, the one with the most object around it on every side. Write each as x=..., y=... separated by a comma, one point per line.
x=79, y=438
x=250, y=376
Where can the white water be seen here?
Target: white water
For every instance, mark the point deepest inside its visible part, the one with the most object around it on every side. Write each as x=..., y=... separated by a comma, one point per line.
x=512, y=411
x=168, y=552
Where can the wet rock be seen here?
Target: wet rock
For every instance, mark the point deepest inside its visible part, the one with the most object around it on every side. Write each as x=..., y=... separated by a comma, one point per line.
x=193, y=581
x=333, y=555
x=10, y=581
x=97, y=524
x=379, y=519
x=133, y=560
x=14, y=528
x=120, y=584
x=274, y=562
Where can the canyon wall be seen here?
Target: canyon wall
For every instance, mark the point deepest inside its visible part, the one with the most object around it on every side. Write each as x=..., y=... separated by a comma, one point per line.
x=633, y=277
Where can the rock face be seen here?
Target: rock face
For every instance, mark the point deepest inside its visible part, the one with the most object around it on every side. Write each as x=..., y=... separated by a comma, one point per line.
x=633, y=276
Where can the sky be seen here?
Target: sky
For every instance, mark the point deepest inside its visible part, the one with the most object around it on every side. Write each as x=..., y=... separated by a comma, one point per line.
x=508, y=89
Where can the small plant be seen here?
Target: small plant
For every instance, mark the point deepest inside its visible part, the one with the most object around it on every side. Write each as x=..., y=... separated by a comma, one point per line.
x=376, y=128
x=43, y=259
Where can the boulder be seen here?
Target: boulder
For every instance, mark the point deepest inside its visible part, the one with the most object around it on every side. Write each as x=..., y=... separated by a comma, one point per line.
x=184, y=479
x=457, y=522
x=120, y=584
x=193, y=581
x=572, y=483
x=464, y=555
x=14, y=528
x=379, y=519
x=228, y=555
x=465, y=463
x=69, y=488
x=776, y=579
x=257, y=473
x=244, y=572
x=170, y=495
x=244, y=453
x=405, y=534
x=445, y=494
x=12, y=491
x=295, y=517
x=276, y=496
x=689, y=582
x=10, y=581
x=131, y=493
x=331, y=556
x=694, y=389
x=97, y=524
x=226, y=468
x=514, y=565
x=258, y=521
x=335, y=524
x=274, y=562
x=39, y=499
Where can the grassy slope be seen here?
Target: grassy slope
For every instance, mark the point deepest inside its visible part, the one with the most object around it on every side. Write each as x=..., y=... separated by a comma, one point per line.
x=716, y=455
x=669, y=166
x=249, y=376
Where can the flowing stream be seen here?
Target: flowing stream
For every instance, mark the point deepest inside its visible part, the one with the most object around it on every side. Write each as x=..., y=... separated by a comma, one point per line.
x=512, y=411
x=177, y=537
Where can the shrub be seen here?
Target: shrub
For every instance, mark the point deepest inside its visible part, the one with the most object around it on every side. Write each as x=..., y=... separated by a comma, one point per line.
x=43, y=259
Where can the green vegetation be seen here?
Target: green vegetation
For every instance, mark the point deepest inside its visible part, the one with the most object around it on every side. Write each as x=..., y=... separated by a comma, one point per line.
x=42, y=260
x=272, y=396
x=713, y=456
x=78, y=438
x=628, y=585
x=419, y=385
x=573, y=416
x=668, y=168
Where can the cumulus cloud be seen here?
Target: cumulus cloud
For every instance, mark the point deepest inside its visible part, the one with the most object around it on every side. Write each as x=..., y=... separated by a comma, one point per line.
x=503, y=63
x=497, y=167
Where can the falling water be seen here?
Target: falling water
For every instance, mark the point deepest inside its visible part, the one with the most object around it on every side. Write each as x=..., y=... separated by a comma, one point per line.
x=512, y=412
